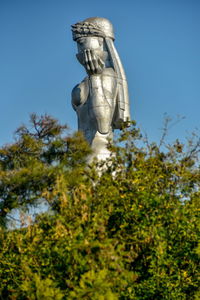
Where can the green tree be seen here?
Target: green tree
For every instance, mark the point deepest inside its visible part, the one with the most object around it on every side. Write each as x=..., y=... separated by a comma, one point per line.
x=131, y=233
x=32, y=164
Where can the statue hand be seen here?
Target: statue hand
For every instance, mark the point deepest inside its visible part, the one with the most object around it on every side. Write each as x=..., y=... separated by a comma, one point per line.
x=93, y=63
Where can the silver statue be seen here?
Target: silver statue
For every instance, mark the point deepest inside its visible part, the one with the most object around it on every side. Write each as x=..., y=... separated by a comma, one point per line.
x=101, y=100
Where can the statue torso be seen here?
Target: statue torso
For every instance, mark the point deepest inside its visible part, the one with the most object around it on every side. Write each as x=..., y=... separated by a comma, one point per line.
x=83, y=102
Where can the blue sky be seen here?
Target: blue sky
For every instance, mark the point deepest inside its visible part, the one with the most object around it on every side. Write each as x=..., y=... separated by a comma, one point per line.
x=158, y=42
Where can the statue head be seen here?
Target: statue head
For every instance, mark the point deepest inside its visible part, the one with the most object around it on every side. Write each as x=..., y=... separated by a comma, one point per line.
x=90, y=34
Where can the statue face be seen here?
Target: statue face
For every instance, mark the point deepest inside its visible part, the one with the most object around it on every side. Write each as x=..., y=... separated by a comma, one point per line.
x=90, y=42
x=91, y=54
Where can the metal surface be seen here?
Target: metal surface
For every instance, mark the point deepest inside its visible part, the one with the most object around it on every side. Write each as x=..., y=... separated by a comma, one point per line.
x=101, y=100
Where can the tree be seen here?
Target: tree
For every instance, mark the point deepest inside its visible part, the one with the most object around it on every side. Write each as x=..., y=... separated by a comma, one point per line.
x=31, y=165
x=131, y=233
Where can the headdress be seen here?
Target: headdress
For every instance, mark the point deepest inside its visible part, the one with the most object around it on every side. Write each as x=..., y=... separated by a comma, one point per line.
x=93, y=27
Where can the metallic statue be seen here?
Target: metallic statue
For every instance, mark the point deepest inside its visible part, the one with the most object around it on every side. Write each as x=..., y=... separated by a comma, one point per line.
x=101, y=100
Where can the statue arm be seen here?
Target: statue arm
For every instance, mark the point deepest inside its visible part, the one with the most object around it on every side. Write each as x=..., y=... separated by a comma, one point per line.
x=80, y=94
x=103, y=90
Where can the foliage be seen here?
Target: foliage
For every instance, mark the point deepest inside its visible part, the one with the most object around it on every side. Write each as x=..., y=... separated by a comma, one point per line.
x=31, y=165
x=130, y=233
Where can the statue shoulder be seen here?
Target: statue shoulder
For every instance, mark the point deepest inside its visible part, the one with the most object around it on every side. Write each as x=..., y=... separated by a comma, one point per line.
x=80, y=93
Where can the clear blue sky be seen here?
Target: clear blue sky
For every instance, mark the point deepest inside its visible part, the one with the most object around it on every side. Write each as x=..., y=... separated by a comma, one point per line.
x=158, y=41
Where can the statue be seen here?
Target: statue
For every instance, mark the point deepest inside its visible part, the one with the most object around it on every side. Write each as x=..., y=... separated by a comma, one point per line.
x=101, y=100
